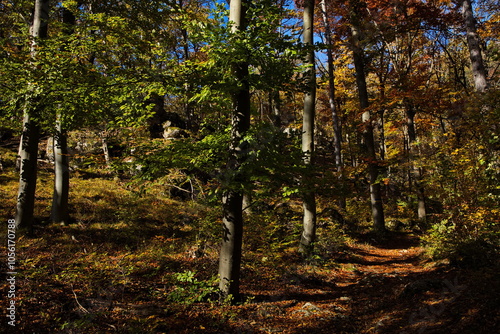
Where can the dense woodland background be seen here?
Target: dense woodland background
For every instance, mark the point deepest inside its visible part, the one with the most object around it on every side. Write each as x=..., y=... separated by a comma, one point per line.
x=253, y=167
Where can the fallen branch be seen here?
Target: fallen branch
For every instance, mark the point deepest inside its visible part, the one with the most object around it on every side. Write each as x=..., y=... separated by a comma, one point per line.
x=83, y=309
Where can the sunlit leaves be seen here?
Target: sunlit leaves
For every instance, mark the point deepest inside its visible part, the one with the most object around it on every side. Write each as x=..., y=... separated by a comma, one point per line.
x=262, y=46
x=103, y=68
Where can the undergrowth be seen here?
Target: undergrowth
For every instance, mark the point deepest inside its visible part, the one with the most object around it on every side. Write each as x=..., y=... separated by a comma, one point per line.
x=133, y=254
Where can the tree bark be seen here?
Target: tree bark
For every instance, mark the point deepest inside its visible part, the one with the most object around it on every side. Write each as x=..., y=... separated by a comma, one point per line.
x=473, y=42
x=231, y=248
x=60, y=197
x=232, y=203
x=28, y=172
x=105, y=148
x=337, y=129
x=337, y=139
x=188, y=105
x=309, y=200
x=28, y=150
x=415, y=173
x=368, y=137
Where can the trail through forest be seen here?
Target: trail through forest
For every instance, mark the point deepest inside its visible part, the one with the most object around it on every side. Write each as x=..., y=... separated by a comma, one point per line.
x=125, y=271
x=377, y=288
x=366, y=287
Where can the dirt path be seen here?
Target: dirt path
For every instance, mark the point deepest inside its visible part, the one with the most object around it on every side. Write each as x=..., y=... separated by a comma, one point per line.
x=378, y=288
x=365, y=288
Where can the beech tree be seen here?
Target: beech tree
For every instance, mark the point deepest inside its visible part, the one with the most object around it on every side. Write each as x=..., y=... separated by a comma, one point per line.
x=334, y=108
x=356, y=10
x=60, y=198
x=77, y=80
x=28, y=150
x=403, y=48
x=337, y=136
x=474, y=44
x=232, y=201
x=309, y=200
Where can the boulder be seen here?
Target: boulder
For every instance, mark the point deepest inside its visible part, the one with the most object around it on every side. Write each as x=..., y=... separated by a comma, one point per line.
x=171, y=132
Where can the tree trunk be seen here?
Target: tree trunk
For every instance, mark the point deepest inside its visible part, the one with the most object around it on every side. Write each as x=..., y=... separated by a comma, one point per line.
x=309, y=205
x=473, y=41
x=232, y=240
x=337, y=139
x=337, y=132
x=188, y=105
x=60, y=197
x=416, y=173
x=28, y=150
x=275, y=101
x=60, y=212
x=369, y=141
x=28, y=172
x=105, y=148
x=247, y=203
x=230, y=253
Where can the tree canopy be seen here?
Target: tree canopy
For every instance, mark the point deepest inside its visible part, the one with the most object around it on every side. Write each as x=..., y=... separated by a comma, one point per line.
x=307, y=122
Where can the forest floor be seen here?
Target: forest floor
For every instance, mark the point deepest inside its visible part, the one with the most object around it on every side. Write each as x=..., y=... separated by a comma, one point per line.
x=377, y=288
x=141, y=264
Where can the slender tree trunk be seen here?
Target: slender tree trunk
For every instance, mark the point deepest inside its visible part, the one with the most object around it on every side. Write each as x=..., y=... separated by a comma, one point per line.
x=232, y=203
x=416, y=173
x=60, y=212
x=28, y=150
x=473, y=41
x=231, y=248
x=188, y=106
x=28, y=172
x=337, y=139
x=337, y=130
x=60, y=198
x=309, y=198
x=105, y=148
x=369, y=141
x=422, y=207
x=275, y=101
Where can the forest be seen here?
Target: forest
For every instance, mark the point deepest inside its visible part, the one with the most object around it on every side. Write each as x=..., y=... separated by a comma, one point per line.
x=266, y=166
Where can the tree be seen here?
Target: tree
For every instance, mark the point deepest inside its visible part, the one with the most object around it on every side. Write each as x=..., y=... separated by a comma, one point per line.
x=337, y=133
x=76, y=80
x=60, y=198
x=31, y=130
x=232, y=201
x=309, y=200
x=415, y=171
x=357, y=7
x=404, y=46
x=473, y=42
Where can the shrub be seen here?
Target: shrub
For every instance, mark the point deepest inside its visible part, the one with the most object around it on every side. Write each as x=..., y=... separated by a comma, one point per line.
x=188, y=289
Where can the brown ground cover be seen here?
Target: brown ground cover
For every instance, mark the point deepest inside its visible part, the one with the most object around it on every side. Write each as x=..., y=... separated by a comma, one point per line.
x=372, y=288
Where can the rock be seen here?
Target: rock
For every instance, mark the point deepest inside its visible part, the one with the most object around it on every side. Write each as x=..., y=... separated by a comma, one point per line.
x=395, y=225
x=269, y=311
x=333, y=215
x=174, y=133
x=311, y=307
